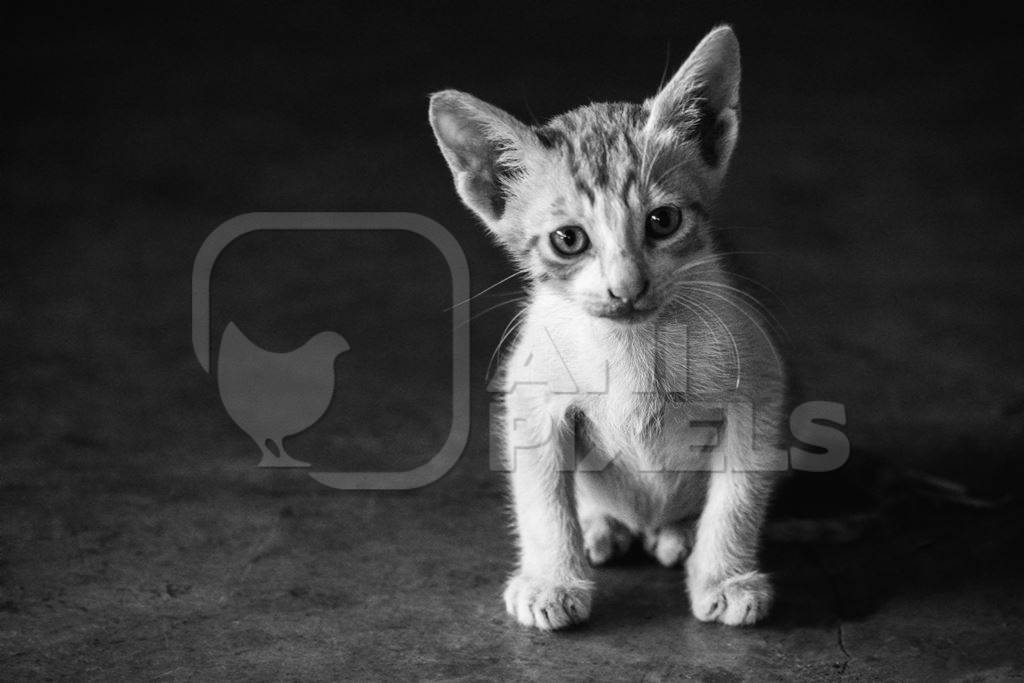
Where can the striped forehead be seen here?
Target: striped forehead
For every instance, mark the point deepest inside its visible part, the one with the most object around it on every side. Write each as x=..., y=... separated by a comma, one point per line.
x=601, y=146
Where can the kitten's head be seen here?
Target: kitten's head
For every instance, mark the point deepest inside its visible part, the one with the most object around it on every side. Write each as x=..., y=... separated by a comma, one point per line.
x=605, y=204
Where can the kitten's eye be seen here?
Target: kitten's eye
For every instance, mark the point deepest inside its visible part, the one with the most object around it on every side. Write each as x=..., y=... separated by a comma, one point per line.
x=570, y=240
x=663, y=221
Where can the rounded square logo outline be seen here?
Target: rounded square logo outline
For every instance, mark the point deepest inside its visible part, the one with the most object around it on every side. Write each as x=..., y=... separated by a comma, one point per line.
x=228, y=231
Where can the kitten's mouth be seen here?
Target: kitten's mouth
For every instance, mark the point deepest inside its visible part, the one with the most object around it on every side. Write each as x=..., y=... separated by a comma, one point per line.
x=626, y=314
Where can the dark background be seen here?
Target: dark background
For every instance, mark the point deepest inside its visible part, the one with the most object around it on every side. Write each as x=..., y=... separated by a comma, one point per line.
x=878, y=175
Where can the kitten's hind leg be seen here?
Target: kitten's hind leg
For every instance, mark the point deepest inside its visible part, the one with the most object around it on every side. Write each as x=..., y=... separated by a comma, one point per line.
x=605, y=538
x=671, y=544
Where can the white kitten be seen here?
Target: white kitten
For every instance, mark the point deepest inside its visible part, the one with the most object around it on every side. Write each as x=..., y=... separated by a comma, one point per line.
x=644, y=396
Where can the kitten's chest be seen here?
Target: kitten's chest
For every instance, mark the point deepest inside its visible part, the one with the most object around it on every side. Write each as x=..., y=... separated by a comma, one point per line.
x=632, y=392
x=647, y=476
x=652, y=432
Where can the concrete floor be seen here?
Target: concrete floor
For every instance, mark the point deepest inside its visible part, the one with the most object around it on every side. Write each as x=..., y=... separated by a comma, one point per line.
x=879, y=170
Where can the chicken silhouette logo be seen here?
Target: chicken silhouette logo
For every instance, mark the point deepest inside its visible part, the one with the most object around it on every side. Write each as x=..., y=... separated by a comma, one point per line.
x=274, y=395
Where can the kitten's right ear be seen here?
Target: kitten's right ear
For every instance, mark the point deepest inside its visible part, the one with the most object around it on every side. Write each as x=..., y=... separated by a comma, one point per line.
x=484, y=147
x=701, y=102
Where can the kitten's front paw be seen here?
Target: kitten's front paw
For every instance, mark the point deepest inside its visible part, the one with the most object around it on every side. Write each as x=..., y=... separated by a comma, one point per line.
x=546, y=604
x=737, y=601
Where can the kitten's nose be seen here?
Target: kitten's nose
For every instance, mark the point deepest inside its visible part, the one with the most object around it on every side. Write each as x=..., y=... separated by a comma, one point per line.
x=629, y=290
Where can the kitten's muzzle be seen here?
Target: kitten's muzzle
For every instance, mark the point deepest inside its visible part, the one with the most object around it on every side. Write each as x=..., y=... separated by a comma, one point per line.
x=627, y=287
x=625, y=310
x=631, y=291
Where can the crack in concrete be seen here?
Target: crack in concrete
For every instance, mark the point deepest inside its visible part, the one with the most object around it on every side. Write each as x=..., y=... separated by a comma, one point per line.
x=838, y=602
x=842, y=647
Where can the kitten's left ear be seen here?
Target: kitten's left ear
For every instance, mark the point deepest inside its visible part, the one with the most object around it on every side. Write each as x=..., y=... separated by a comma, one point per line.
x=701, y=102
x=484, y=146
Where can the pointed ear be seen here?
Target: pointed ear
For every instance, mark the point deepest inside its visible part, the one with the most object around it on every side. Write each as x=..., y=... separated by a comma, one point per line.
x=484, y=147
x=701, y=102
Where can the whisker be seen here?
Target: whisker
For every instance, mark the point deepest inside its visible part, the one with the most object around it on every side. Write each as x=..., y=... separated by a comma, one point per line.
x=712, y=258
x=758, y=305
x=748, y=299
x=680, y=299
x=521, y=271
x=684, y=301
x=513, y=325
x=692, y=301
x=694, y=264
x=711, y=261
x=749, y=253
x=753, y=281
x=758, y=283
x=526, y=101
x=764, y=334
x=668, y=60
x=735, y=347
x=491, y=308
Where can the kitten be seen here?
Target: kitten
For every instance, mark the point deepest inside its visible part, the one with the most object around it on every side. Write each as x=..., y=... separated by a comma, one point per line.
x=644, y=396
